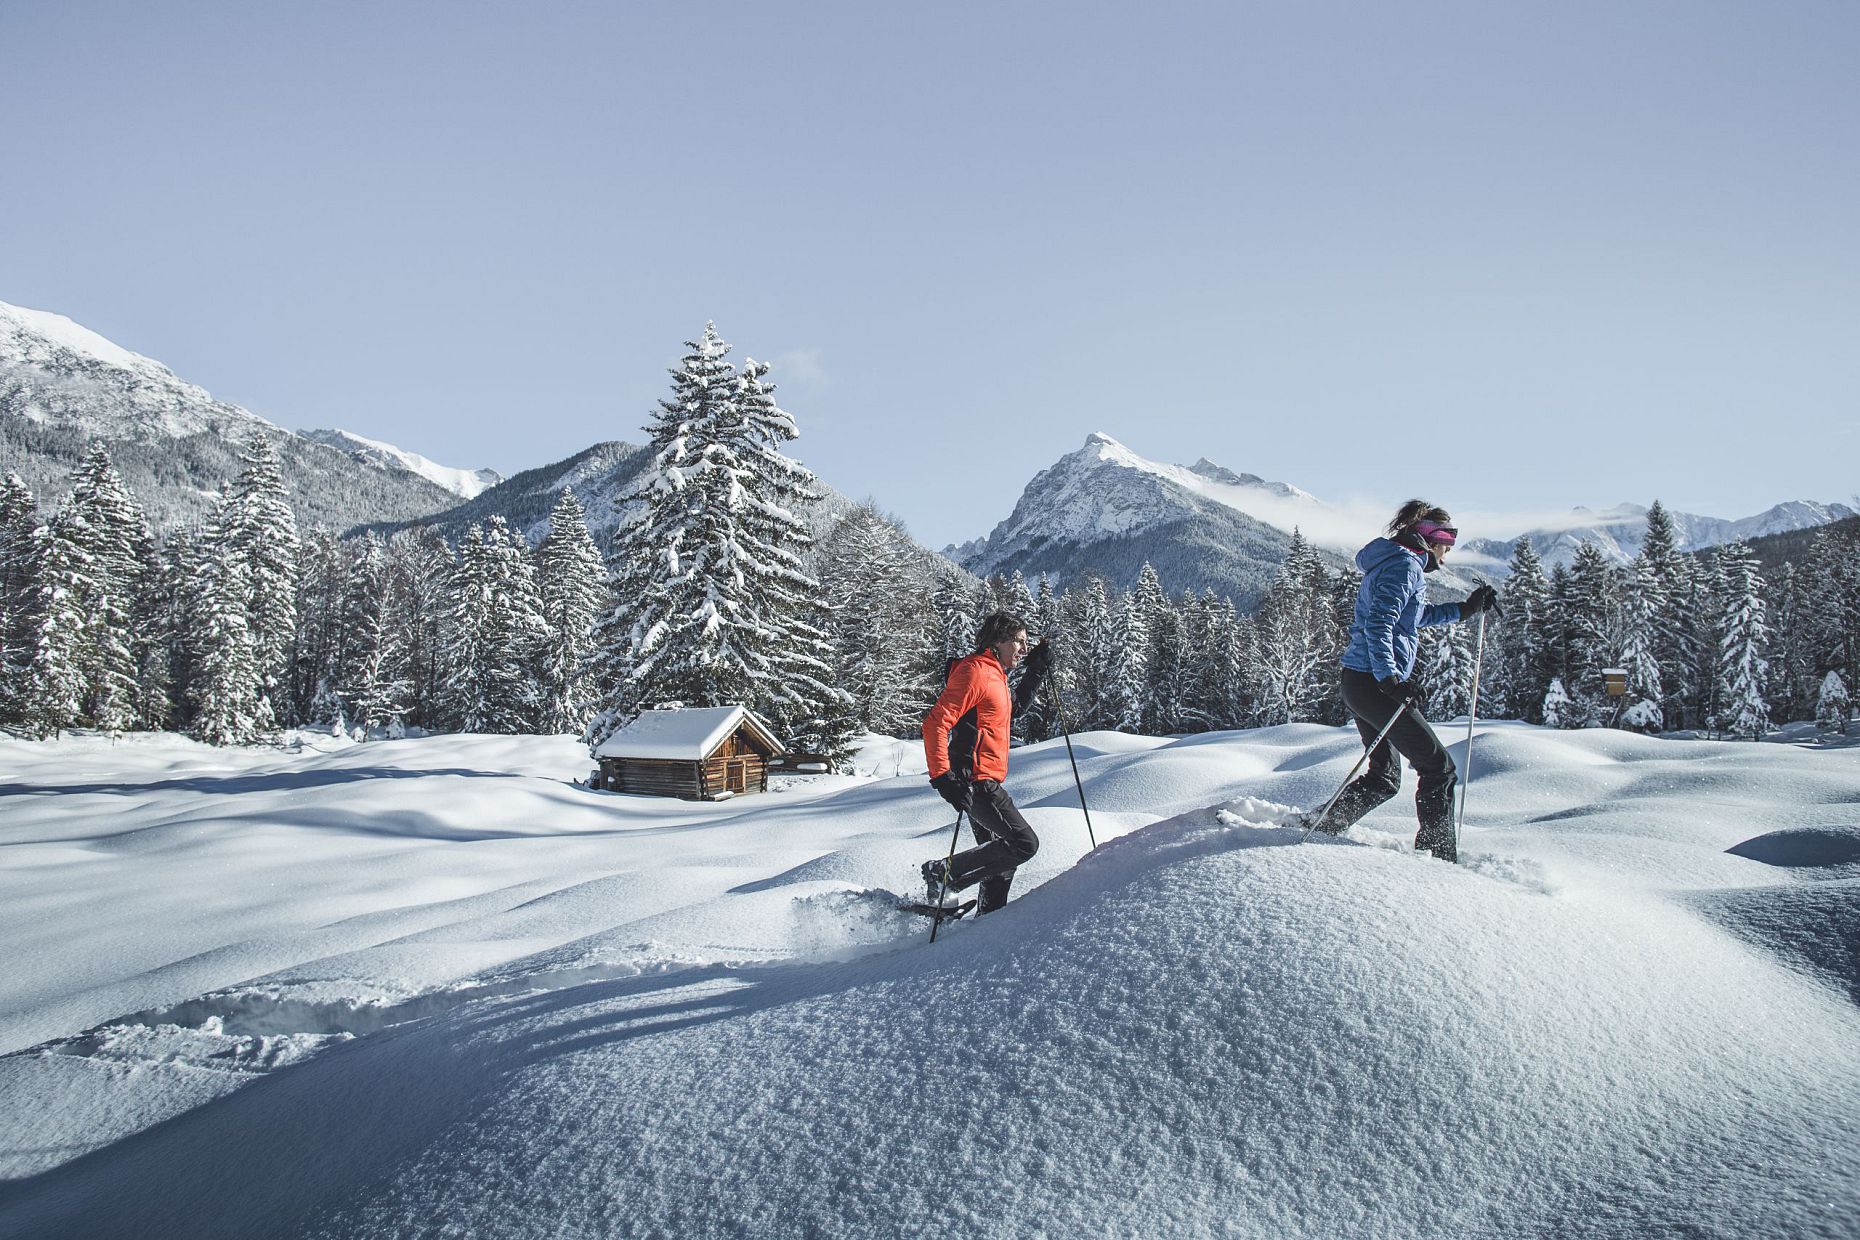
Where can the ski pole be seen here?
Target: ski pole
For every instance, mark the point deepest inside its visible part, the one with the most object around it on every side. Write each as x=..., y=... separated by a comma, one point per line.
x=1472, y=713
x=1059, y=708
x=936, y=921
x=1373, y=746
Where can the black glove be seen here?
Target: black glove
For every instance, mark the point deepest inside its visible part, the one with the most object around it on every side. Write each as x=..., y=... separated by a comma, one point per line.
x=1400, y=690
x=1040, y=659
x=1485, y=598
x=954, y=789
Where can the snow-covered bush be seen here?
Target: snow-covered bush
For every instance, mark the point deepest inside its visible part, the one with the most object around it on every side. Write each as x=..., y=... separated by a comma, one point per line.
x=1833, y=705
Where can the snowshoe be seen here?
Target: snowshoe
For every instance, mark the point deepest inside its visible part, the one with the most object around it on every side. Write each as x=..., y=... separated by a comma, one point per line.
x=938, y=912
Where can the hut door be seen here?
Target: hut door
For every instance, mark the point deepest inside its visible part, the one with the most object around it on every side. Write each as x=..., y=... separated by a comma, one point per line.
x=736, y=774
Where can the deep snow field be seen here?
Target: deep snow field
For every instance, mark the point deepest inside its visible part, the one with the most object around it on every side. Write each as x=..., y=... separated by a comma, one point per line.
x=432, y=987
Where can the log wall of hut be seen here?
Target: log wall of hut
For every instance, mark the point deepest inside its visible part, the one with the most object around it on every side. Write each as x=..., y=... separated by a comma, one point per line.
x=652, y=777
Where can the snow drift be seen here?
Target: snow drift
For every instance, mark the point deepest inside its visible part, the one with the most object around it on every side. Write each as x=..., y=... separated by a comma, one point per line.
x=1202, y=1028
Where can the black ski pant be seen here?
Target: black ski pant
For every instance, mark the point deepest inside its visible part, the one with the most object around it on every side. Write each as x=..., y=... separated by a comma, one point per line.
x=1414, y=740
x=1003, y=841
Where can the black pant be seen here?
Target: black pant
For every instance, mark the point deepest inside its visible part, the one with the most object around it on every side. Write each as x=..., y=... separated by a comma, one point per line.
x=1003, y=840
x=1414, y=739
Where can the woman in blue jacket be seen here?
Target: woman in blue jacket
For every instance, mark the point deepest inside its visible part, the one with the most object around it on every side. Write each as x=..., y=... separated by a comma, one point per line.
x=1378, y=673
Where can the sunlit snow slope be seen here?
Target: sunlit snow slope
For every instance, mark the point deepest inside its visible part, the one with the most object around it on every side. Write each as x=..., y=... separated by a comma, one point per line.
x=594, y=1015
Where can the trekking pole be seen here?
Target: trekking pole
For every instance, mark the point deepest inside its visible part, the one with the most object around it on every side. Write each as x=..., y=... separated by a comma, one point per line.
x=936, y=919
x=1472, y=713
x=1059, y=708
x=1373, y=746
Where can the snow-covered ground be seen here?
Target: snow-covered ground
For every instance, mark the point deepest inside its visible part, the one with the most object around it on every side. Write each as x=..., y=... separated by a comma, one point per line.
x=432, y=987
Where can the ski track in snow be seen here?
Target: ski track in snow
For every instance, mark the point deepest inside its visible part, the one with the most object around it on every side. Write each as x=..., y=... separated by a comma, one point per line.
x=557, y=1010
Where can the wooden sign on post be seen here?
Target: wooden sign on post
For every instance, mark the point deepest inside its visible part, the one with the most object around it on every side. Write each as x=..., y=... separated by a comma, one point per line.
x=1614, y=680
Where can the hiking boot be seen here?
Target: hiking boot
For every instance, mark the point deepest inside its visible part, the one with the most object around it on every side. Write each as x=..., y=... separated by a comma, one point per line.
x=1441, y=846
x=936, y=879
x=1309, y=821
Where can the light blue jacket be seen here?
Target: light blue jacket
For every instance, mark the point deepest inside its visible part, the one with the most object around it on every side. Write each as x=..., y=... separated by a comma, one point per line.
x=1391, y=610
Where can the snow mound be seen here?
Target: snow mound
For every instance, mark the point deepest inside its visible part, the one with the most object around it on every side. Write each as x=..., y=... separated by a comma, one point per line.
x=1204, y=1028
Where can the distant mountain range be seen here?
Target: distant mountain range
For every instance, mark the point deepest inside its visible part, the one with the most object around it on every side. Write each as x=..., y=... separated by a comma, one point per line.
x=1104, y=509
x=63, y=386
x=1101, y=509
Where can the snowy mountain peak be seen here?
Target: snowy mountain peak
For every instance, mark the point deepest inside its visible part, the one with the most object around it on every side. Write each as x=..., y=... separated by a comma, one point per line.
x=464, y=483
x=25, y=333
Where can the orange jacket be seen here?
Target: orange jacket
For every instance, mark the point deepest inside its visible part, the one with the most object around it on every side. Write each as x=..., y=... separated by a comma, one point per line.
x=977, y=683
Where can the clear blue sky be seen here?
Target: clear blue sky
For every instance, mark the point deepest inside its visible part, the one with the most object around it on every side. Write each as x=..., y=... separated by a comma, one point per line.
x=1501, y=254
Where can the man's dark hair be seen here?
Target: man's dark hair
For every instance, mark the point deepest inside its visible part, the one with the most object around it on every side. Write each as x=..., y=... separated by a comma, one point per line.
x=998, y=628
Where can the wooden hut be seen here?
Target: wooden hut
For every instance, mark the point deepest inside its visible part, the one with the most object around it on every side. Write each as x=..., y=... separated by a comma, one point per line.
x=697, y=753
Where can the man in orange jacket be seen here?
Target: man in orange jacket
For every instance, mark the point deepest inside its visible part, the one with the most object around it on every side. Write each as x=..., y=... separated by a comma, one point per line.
x=966, y=745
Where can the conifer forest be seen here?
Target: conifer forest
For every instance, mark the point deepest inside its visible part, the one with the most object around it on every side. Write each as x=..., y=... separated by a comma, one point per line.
x=714, y=591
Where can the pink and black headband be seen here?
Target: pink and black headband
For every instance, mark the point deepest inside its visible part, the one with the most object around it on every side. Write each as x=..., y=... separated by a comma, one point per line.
x=1436, y=534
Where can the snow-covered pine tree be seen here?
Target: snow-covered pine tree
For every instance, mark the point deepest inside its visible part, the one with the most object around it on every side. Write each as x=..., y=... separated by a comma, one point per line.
x=319, y=671
x=1743, y=673
x=421, y=565
x=1707, y=605
x=121, y=549
x=1642, y=711
x=1040, y=720
x=1445, y=671
x=151, y=640
x=1129, y=680
x=1091, y=656
x=663, y=641
x=958, y=602
x=260, y=529
x=1589, y=628
x=1204, y=699
x=1521, y=658
x=176, y=600
x=56, y=678
x=878, y=602
x=1792, y=669
x=801, y=695
x=1297, y=643
x=573, y=583
x=22, y=545
x=497, y=631
x=1665, y=576
x=374, y=683
x=229, y=706
x=714, y=607
x=1833, y=704
x=1162, y=656
x=1557, y=710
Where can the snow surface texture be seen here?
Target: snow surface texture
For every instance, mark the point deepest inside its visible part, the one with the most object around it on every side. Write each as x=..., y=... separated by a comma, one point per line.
x=430, y=987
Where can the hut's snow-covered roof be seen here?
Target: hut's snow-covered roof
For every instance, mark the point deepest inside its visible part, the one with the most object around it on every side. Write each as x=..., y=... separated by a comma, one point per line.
x=687, y=733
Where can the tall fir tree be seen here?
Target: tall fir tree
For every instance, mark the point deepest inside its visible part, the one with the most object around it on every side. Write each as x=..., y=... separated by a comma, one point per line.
x=802, y=695
x=374, y=657
x=1641, y=709
x=1522, y=655
x=421, y=565
x=714, y=605
x=259, y=528
x=573, y=586
x=1128, y=698
x=229, y=707
x=1664, y=576
x=22, y=548
x=1743, y=672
